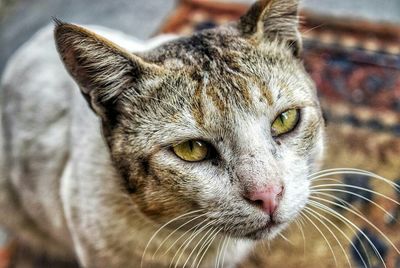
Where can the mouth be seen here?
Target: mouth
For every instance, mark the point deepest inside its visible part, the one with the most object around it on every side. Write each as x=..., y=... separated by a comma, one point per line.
x=264, y=232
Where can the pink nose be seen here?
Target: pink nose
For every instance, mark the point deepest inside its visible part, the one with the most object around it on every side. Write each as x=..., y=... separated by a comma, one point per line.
x=267, y=198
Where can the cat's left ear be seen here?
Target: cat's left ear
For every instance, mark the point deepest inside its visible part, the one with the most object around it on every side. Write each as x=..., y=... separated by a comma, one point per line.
x=103, y=70
x=270, y=20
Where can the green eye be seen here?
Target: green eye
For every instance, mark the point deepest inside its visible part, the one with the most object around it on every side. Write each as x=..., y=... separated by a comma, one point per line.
x=192, y=150
x=285, y=122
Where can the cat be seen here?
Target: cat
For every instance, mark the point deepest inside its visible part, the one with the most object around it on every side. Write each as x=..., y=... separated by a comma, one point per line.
x=186, y=151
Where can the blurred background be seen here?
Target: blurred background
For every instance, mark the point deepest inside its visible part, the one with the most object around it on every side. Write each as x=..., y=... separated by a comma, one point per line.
x=352, y=51
x=19, y=19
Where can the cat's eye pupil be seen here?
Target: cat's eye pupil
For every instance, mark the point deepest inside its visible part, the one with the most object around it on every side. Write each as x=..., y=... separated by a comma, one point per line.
x=282, y=118
x=191, y=145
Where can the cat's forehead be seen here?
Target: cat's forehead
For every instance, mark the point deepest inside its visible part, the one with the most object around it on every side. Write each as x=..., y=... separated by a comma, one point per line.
x=198, y=48
x=223, y=61
x=218, y=77
x=222, y=55
x=213, y=47
x=231, y=96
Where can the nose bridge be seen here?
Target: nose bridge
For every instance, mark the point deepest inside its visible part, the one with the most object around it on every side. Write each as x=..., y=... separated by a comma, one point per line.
x=257, y=170
x=256, y=165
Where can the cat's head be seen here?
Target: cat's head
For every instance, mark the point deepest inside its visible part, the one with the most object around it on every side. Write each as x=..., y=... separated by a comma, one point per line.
x=225, y=121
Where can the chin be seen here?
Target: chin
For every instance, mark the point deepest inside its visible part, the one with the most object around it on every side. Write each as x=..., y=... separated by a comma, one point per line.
x=268, y=232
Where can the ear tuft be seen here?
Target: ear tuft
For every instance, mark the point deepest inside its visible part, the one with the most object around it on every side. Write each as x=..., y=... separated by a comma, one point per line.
x=270, y=20
x=57, y=21
x=93, y=61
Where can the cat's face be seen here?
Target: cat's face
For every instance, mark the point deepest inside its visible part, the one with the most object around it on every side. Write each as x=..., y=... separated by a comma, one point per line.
x=209, y=122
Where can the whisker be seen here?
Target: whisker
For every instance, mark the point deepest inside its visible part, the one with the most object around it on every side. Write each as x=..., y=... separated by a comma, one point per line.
x=305, y=32
x=355, y=172
x=268, y=247
x=203, y=238
x=264, y=247
x=187, y=242
x=163, y=226
x=334, y=197
x=225, y=249
x=361, y=217
x=301, y=220
x=192, y=229
x=204, y=244
x=298, y=224
x=355, y=194
x=208, y=246
x=337, y=169
x=174, y=231
x=344, y=234
x=315, y=215
x=354, y=187
x=286, y=239
x=341, y=200
x=347, y=221
x=313, y=28
x=323, y=235
x=219, y=248
x=328, y=179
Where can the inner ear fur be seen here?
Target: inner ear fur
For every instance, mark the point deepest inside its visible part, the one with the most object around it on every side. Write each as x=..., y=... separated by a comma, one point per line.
x=271, y=20
x=102, y=69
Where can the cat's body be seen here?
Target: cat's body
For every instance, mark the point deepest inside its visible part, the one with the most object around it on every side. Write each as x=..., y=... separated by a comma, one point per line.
x=74, y=185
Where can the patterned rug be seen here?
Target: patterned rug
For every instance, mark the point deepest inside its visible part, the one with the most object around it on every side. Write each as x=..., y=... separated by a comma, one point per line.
x=356, y=67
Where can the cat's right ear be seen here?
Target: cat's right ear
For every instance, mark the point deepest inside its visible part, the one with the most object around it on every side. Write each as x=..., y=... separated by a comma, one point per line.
x=273, y=20
x=102, y=69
